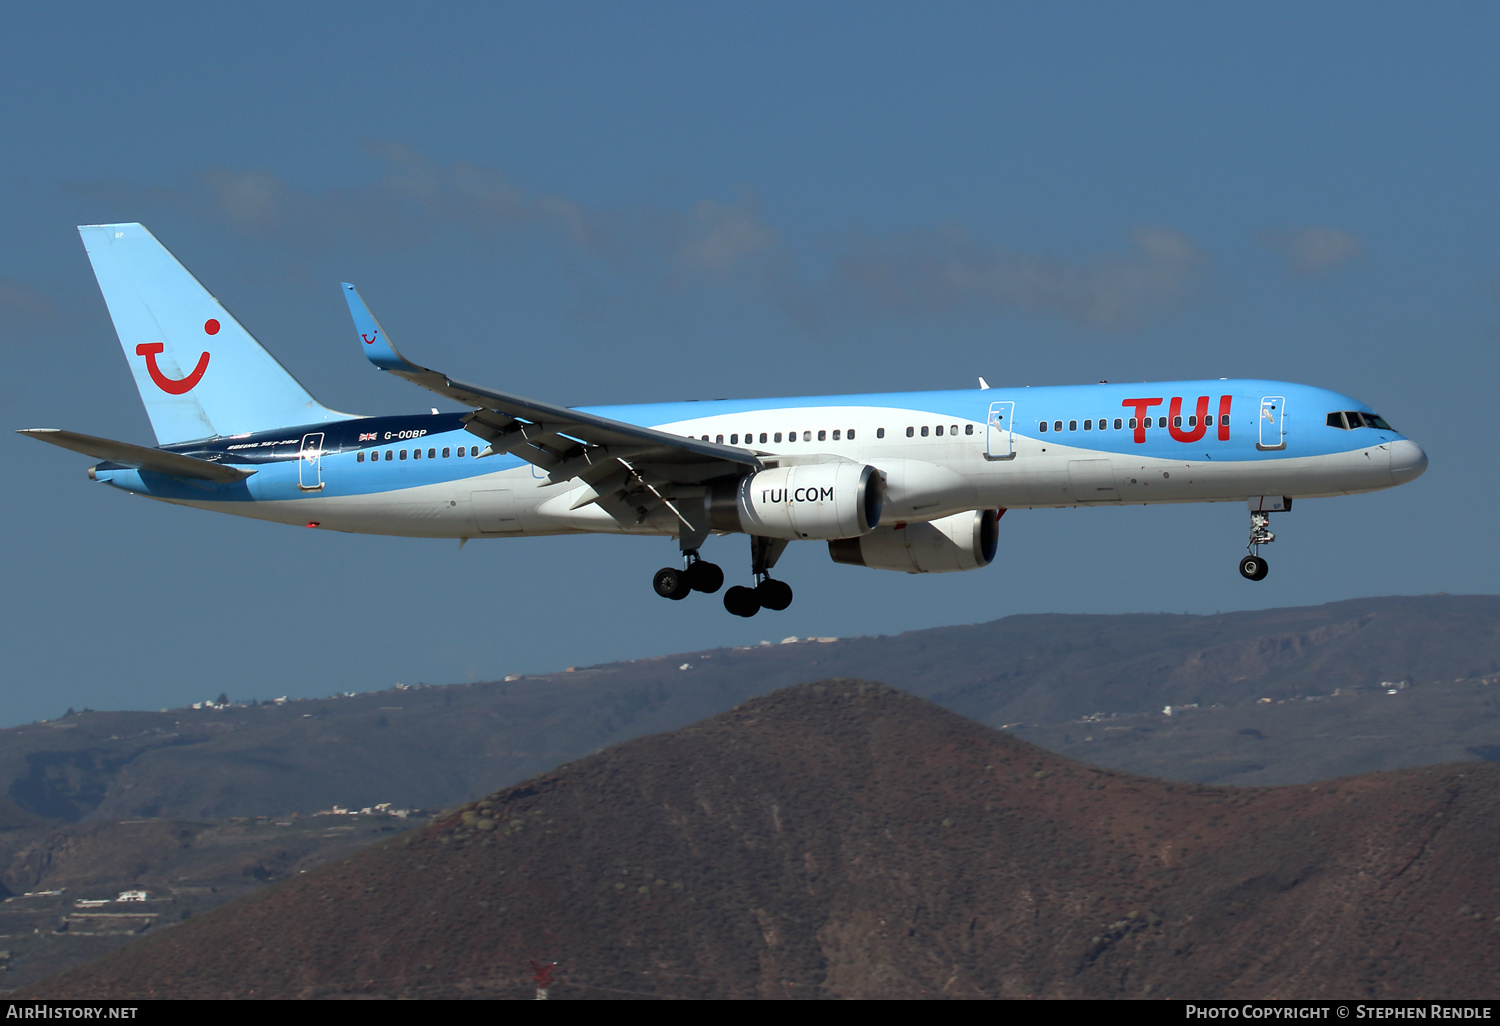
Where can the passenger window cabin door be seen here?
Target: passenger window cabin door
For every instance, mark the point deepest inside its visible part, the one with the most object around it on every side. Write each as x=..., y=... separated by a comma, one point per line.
x=999, y=438
x=1272, y=423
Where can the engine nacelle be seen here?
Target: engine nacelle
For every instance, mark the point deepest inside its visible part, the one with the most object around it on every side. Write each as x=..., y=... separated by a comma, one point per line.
x=817, y=500
x=964, y=541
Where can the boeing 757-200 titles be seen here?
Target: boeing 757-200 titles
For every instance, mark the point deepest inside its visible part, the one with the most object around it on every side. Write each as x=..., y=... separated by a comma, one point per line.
x=910, y=481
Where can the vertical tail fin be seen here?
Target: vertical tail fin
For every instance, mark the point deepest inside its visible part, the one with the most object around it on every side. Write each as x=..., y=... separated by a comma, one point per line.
x=199, y=372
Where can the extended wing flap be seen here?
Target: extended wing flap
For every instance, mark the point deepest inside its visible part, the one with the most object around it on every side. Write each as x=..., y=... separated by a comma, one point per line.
x=139, y=456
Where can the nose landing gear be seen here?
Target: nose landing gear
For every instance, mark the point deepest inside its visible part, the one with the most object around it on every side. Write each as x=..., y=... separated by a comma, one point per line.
x=1253, y=567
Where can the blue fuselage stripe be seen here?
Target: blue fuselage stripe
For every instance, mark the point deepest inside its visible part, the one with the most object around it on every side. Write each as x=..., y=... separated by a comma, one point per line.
x=1301, y=413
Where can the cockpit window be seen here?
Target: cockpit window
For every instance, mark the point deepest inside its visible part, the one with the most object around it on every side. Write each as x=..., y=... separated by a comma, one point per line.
x=1348, y=420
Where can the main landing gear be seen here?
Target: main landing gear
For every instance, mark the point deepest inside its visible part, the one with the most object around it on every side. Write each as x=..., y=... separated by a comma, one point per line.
x=1253, y=567
x=699, y=575
x=767, y=593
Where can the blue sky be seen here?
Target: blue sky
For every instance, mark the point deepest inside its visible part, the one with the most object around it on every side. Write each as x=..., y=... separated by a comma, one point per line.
x=599, y=203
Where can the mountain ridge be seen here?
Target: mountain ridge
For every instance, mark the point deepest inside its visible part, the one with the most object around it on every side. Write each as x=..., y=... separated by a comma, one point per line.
x=1041, y=675
x=846, y=839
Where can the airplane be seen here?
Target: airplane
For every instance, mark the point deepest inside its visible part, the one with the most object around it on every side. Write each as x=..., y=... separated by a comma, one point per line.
x=902, y=481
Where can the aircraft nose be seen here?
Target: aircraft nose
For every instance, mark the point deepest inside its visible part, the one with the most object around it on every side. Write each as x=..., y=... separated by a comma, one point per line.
x=1408, y=461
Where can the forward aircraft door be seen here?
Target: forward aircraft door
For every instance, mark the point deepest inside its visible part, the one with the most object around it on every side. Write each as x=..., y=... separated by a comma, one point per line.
x=1272, y=423
x=310, y=463
x=998, y=437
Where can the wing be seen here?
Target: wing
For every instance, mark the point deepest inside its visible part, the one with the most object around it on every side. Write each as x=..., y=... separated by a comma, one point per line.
x=139, y=457
x=629, y=470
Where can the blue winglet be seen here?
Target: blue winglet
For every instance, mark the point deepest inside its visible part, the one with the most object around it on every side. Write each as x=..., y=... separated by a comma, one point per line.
x=377, y=345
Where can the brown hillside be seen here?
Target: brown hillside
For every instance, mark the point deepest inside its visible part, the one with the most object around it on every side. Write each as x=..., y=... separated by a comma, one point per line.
x=845, y=839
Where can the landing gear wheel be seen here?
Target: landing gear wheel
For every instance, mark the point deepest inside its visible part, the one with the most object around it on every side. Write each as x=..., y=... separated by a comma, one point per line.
x=1253, y=568
x=705, y=577
x=741, y=601
x=775, y=595
x=671, y=583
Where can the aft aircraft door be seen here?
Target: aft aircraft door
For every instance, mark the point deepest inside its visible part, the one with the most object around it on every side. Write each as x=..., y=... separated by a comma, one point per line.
x=1272, y=423
x=998, y=439
x=310, y=463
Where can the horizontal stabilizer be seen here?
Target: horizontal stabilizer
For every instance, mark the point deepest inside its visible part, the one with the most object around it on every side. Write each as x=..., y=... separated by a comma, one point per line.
x=139, y=456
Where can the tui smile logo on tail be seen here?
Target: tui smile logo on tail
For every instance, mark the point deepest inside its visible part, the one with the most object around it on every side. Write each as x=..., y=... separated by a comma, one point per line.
x=176, y=386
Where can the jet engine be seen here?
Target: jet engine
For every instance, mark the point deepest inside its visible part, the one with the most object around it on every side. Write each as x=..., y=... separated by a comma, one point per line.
x=964, y=541
x=817, y=500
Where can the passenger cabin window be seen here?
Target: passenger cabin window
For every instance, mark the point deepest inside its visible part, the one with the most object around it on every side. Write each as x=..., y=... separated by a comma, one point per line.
x=822, y=436
x=940, y=431
x=389, y=455
x=763, y=437
x=910, y=432
x=1088, y=425
x=719, y=439
x=851, y=434
x=778, y=437
x=835, y=434
x=403, y=454
x=1117, y=423
x=1042, y=426
x=1177, y=422
x=1057, y=425
x=359, y=458
x=968, y=429
x=1072, y=425
x=879, y=432
x=924, y=430
x=445, y=452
